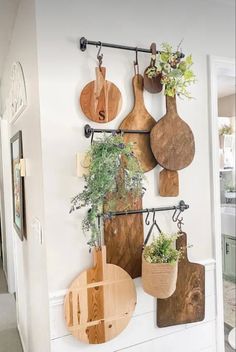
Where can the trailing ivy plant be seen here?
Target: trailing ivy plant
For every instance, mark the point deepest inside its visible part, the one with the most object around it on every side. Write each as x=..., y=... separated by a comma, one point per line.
x=176, y=72
x=112, y=167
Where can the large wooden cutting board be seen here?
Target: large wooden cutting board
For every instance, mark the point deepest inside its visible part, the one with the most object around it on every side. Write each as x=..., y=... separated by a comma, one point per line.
x=140, y=119
x=100, y=301
x=187, y=304
x=101, y=100
x=124, y=236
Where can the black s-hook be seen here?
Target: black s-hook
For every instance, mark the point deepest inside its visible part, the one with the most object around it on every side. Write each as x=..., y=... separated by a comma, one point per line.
x=99, y=55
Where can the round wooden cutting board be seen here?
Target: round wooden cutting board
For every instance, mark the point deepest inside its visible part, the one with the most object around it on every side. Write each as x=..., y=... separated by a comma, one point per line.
x=172, y=140
x=100, y=301
x=140, y=119
x=101, y=100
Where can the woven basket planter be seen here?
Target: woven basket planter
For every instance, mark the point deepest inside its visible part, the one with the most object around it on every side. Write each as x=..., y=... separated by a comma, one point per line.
x=159, y=280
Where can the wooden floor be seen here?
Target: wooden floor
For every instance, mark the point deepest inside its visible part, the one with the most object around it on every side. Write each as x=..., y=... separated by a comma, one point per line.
x=227, y=346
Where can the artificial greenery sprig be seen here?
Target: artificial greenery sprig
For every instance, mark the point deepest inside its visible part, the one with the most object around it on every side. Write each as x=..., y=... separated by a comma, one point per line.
x=109, y=158
x=225, y=129
x=176, y=72
x=162, y=250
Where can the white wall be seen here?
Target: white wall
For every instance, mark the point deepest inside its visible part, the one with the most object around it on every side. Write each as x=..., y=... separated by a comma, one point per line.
x=32, y=291
x=63, y=72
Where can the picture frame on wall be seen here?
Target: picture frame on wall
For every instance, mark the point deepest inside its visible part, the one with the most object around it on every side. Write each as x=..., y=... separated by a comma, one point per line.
x=18, y=186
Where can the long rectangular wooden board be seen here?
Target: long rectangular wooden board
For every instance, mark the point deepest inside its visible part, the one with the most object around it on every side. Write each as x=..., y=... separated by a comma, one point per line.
x=123, y=235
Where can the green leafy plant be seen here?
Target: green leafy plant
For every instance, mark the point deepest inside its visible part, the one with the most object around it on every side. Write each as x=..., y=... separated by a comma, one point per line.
x=176, y=72
x=230, y=188
x=225, y=129
x=162, y=250
x=113, y=167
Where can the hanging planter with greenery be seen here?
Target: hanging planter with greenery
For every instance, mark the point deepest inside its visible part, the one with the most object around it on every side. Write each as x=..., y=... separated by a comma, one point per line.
x=160, y=266
x=176, y=73
x=109, y=158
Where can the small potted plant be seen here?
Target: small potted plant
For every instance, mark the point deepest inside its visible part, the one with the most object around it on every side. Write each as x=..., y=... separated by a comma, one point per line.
x=112, y=167
x=175, y=71
x=224, y=130
x=160, y=266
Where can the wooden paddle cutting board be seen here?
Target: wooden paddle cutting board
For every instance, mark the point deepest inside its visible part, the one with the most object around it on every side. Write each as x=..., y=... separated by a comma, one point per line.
x=172, y=140
x=100, y=301
x=124, y=236
x=101, y=100
x=140, y=119
x=187, y=304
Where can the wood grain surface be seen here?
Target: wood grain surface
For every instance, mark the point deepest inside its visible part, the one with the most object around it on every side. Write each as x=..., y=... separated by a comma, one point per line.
x=152, y=85
x=187, y=304
x=168, y=183
x=172, y=140
x=101, y=100
x=140, y=119
x=124, y=235
x=100, y=301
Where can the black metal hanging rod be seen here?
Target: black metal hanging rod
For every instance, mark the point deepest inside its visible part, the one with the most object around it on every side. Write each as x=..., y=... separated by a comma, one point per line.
x=88, y=131
x=84, y=42
x=182, y=206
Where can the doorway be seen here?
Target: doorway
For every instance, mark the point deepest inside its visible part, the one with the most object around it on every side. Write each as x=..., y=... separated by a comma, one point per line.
x=222, y=137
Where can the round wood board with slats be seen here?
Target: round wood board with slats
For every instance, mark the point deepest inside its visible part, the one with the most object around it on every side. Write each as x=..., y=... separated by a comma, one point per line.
x=100, y=301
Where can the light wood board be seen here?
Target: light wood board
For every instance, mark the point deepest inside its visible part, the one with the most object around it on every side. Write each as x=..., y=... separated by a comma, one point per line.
x=100, y=301
x=140, y=119
x=101, y=100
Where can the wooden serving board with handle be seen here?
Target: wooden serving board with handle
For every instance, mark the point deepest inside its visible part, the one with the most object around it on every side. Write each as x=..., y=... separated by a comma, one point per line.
x=187, y=304
x=101, y=100
x=100, y=301
x=140, y=119
x=124, y=235
x=173, y=146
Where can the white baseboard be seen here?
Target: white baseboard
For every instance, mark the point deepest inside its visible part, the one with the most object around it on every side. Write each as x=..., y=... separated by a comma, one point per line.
x=22, y=339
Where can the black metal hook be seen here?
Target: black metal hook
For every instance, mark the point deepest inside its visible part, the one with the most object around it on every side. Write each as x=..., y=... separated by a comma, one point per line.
x=153, y=215
x=147, y=222
x=179, y=224
x=150, y=231
x=174, y=216
x=99, y=56
x=136, y=65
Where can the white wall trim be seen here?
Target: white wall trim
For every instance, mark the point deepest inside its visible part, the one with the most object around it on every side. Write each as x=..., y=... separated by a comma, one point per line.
x=145, y=312
x=215, y=64
x=21, y=339
x=7, y=192
x=57, y=297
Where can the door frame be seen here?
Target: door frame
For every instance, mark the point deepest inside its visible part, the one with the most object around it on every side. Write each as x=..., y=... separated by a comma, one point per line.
x=215, y=65
x=9, y=256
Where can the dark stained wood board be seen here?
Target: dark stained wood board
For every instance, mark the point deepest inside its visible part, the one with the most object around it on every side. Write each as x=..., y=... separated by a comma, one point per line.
x=168, y=183
x=187, y=304
x=124, y=235
x=140, y=119
x=100, y=301
x=101, y=100
x=152, y=85
x=172, y=140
